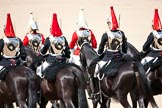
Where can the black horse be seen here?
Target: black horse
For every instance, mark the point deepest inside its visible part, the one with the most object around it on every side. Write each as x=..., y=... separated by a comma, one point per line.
x=63, y=82
x=129, y=77
x=154, y=77
x=20, y=86
x=88, y=66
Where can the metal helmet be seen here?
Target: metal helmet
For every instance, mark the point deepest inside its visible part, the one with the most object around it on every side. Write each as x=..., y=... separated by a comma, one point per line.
x=82, y=22
x=32, y=23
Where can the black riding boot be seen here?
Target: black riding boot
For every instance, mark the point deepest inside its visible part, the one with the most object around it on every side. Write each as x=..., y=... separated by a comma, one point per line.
x=155, y=64
x=151, y=66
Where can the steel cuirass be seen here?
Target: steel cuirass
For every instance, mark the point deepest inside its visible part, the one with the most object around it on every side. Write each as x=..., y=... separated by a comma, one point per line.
x=114, y=40
x=84, y=34
x=35, y=41
x=11, y=47
x=57, y=44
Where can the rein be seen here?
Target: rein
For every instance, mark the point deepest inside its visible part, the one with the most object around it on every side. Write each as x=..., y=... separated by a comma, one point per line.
x=83, y=44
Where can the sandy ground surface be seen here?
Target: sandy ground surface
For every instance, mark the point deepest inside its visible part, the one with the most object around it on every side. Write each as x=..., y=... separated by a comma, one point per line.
x=135, y=18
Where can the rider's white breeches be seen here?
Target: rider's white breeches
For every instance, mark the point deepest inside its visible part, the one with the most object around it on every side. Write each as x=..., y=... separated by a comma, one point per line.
x=75, y=59
x=99, y=65
x=41, y=68
x=146, y=60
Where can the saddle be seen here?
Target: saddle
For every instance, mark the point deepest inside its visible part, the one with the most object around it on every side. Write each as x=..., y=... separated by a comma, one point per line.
x=7, y=66
x=111, y=69
x=55, y=64
x=153, y=64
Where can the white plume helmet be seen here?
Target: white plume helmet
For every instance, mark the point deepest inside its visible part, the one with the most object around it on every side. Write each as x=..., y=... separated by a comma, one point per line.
x=32, y=23
x=109, y=19
x=82, y=22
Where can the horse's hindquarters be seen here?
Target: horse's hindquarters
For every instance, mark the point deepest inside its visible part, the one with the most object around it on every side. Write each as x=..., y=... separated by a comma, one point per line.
x=22, y=87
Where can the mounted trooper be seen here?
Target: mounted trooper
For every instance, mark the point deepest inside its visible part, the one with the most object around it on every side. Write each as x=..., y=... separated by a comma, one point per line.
x=152, y=48
x=55, y=48
x=113, y=43
x=82, y=31
x=11, y=49
x=33, y=38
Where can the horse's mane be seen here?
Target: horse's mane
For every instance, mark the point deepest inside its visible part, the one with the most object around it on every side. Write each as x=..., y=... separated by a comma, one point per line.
x=89, y=53
x=132, y=47
x=30, y=52
x=133, y=52
x=91, y=49
x=36, y=60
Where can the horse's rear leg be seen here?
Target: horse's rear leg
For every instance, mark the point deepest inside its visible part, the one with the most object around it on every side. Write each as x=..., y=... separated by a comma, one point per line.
x=61, y=104
x=70, y=98
x=123, y=99
x=142, y=81
x=95, y=103
x=134, y=99
x=124, y=102
x=43, y=102
x=55, y=104
x=8, y=106
x=68, y=103
x=22, y=104
x=146, y=102
x=105, y=102
x=21, y=99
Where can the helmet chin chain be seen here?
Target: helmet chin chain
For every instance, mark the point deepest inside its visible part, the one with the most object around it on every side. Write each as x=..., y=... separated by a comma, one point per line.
x=58, y=46
x=10, y=46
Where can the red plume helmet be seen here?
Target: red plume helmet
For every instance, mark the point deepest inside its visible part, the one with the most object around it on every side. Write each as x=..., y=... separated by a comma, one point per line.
x=156, y=21
x=9, y=31
x=114, y=20
x=55, y=28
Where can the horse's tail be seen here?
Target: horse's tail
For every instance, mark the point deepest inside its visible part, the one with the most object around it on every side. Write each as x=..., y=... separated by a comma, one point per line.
x=32, y=89
x=143, y=83
x=82, y=100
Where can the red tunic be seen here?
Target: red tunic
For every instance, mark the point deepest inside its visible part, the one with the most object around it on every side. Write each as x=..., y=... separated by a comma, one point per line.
x=74, y=39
